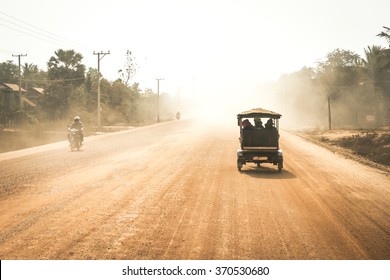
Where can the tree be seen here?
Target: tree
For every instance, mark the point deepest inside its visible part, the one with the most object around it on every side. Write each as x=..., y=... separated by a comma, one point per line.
x=376, y=85
x=339, y=70
x=377, y=64
x=90, y=80
x=65, y=73
x=385, y=34
x=9, y=72
x=118, y=93
x=90, y=85
x=66, y=66
x=129, y=70
x=385, y=63
x=338, y=77
x=29, y=72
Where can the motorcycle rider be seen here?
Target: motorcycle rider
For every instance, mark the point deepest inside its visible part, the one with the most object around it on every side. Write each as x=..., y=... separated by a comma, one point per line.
x=77, y=124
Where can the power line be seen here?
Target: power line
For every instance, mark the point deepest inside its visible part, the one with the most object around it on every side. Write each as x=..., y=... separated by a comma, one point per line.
x=41, y=32
x=48, y=33
x=25, y=28
x=20, y=31
x=28, y=29
x=55, y=80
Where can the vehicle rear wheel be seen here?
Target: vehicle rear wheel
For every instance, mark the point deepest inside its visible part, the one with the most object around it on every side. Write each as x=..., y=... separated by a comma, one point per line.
x=280, y=166
x=239, y=166
x=78, y=144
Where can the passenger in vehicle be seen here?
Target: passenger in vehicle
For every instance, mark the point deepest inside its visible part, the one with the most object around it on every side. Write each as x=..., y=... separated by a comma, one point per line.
x=258, y=123
x=269, y=125
x=246, y=124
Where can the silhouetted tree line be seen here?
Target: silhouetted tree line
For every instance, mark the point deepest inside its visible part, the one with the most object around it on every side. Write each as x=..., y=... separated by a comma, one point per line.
x=355, y=89
x=71, y=89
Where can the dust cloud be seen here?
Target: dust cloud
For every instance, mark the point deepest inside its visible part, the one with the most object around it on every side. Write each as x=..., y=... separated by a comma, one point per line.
x=220, y=107
x=304, y=103
x=307, y=102
x=16, y=139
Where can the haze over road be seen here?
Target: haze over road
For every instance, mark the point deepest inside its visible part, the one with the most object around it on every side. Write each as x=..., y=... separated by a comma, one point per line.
x=173, y=191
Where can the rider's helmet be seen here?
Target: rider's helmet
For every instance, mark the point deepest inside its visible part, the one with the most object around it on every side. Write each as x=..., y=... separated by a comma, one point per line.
x=77, y=119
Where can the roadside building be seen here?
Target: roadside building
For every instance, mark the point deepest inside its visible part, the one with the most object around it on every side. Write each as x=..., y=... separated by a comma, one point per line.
x=35, y=93
x=10, y=103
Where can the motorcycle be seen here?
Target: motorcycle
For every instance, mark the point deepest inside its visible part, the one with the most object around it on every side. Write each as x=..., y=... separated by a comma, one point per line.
x=74, y=138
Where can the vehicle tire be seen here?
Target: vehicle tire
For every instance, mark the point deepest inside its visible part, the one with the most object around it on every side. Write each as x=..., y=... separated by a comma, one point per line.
x=280, y=166
x=77, y=143
x=239, y=166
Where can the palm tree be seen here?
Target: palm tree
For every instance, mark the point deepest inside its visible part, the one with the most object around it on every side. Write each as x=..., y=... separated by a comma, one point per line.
x=376, y=63
x=385, y=34
x=29, y=71
x=65, y=73
x=67, y=66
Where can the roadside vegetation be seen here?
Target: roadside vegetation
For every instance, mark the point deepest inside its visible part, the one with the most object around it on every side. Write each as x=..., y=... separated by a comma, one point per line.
x=70, y=89
x=373, y=145
x=343, y=91
x=343, y=103
x=365, y=145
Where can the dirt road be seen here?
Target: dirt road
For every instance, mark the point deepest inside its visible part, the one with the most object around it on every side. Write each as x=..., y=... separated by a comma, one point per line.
x=172, y=191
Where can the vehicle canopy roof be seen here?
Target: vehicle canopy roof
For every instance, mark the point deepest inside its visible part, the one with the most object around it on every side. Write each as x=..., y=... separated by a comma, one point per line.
x=259, y=113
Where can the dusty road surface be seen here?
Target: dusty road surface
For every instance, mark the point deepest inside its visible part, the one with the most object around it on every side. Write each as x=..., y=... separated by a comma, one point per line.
x=172, y=191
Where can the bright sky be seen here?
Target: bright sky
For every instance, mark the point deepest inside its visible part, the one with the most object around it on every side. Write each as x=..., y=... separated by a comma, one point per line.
x=202, y=46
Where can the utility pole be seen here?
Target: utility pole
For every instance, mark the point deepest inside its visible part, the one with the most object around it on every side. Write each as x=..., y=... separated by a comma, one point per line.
x=20, y=81
x=100, y=57
x=158, y=98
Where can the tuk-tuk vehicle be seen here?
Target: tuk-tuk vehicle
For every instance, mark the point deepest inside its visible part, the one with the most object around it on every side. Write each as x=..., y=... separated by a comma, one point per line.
x=259, y=143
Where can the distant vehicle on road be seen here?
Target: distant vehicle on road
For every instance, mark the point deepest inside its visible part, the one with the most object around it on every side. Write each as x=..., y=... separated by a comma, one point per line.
x=259, y=143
